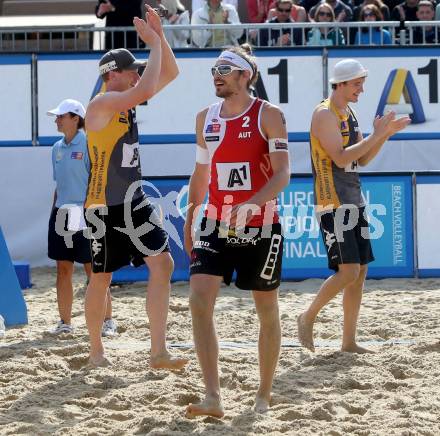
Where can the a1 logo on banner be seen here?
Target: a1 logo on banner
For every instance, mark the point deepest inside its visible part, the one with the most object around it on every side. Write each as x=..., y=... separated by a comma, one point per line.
x=401, y=93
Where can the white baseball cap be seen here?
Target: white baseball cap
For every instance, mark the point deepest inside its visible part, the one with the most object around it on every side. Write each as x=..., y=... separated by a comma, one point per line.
x=68, y=105
x=348, y=69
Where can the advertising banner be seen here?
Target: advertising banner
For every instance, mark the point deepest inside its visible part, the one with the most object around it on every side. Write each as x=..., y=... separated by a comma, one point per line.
x=405, y=81
x=16, y=107
x=170, y=116
x=428, y=211
x=389, y=207
x=389, y=200
x=401, y=79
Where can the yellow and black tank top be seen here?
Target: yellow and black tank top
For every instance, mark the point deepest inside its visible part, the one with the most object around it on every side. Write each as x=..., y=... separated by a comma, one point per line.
x=334, y=186
x=114, y=161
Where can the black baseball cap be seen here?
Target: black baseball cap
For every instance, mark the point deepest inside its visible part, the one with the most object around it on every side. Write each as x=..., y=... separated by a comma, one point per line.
x=119, y=59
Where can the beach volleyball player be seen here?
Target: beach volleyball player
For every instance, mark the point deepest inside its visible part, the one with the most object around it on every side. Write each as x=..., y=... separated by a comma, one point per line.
x=243, y=161
x=337, y=149
x=115, y=196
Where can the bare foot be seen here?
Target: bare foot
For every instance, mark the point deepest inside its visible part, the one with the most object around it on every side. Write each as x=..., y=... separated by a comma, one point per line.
x=99, y=362
x=210, y=406
x=305, y=332
x=354, y=348
x=262, y=404
x=166, y=361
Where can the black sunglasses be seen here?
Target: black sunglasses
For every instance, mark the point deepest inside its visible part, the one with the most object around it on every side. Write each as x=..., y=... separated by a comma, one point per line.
x=324, y=14
x=286, y=11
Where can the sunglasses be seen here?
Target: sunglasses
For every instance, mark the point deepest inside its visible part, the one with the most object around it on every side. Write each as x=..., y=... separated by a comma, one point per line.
x=325, y=14
x=369, y=14
x=224, y=70
x=286, y=11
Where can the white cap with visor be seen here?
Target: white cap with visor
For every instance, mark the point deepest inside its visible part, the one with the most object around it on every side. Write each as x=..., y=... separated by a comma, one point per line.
x=347, y=69
x=68, y=105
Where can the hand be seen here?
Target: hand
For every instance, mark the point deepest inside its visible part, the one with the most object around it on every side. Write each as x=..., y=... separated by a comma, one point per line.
x=173, y=18
x=271, y=14
x=152, y=17
x=341, y=16
x=105, y=8
x=225, y=16
x=237, y=216
x=388, y=125
x=284, y=39
x=187, y=239
x=145, y=30
x=253, y=34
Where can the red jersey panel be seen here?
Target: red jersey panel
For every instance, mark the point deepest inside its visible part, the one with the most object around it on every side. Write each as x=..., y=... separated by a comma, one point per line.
x=240, y=164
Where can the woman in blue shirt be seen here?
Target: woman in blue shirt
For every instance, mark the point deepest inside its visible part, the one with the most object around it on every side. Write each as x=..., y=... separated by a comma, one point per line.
x=66, y=241
x=372, y=35
x=325, y=35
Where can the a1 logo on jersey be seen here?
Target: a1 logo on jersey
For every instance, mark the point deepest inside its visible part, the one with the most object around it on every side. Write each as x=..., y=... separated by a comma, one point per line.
x=235, y=176
x=130, y=155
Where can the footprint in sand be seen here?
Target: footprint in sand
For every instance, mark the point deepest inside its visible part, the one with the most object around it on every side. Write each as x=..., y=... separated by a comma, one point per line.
x=185, y=398
x=291, y=415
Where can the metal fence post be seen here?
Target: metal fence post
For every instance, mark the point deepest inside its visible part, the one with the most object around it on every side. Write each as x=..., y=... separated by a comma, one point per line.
x=325, y=72
x=34, y=98
x=415, y=235
x=402, y=37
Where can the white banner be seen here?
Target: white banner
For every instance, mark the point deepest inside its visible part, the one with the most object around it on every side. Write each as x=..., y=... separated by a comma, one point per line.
x=61, y=77
x=428, y=212
x=403, y=81
x=170, y=116
x=15, y=107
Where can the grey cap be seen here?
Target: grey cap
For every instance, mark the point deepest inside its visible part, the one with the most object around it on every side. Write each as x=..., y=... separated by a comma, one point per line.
x=119, y=59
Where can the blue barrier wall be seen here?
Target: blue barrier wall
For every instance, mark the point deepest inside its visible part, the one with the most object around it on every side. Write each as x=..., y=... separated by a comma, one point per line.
x=390, y=211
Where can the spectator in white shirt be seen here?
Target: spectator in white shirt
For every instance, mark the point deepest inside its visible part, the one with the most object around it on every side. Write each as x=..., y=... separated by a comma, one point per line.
x=216, y=12
x=175, y=13
x=197, y=4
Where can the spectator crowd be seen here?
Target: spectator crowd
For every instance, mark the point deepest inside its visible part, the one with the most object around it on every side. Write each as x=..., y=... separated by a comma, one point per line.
x=230, y=12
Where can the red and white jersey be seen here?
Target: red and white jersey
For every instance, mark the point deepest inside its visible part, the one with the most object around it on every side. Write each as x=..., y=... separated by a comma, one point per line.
x=240, y=163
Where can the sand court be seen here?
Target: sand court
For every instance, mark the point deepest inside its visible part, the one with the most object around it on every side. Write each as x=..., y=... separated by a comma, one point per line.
x=46, y=387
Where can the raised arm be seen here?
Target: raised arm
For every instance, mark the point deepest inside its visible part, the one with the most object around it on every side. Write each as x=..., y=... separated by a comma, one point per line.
x=102, y=107
x=168, y=68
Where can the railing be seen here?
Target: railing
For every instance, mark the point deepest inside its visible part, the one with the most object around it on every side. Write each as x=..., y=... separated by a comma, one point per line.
x=87, y=38
x=422, y=32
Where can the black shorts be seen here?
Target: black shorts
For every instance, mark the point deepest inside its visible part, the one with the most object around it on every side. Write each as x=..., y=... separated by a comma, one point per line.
x=351, y=245
x=256, y=259
x=121, y=240
x=72, y=246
